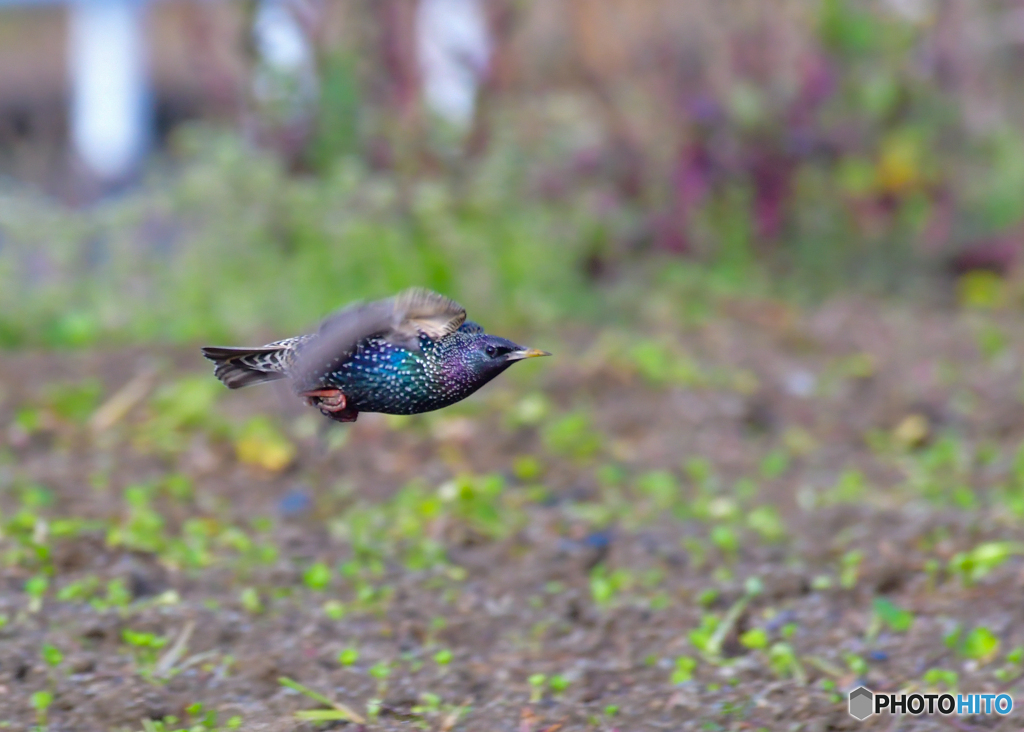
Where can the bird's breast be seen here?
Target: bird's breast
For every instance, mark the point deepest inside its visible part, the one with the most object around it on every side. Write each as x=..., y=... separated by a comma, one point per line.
x=386, y=378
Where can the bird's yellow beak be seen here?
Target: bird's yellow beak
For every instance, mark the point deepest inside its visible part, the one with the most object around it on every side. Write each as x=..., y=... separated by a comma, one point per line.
x=526, y=353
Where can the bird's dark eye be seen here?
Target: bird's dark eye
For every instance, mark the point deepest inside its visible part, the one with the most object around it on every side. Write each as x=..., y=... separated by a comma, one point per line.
x=491, y=351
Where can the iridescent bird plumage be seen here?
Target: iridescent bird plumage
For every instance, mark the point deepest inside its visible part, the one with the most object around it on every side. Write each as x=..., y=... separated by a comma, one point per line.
x=412, y=353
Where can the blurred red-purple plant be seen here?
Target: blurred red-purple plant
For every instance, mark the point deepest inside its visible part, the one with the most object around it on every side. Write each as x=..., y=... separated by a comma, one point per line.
x=831, y=127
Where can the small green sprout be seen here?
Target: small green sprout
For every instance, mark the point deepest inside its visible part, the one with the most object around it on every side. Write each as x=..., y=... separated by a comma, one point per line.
x=75, y=402
x=936, y=677
x=334, y=609
x=28, y=420
x=348, y=657
x=143, y=639
x=774, y=464
x=527, y=468
x=336, y=711
x=980, y=644
x=41, y=701
x=684, y=668
x=660, y=601
x=35, y=588
x=146, y=645
x=531, y=410
x=745, y=489
x=207, y=718
x=601, y=589
x=975, y=564
x=1013, y=663
x=784, y=662
x=51, y=655
x=725, y=539
x=457, y=574
x=178, y=486
x=698, y=552
x=767, y=522
x=366, y=593
x=431, y=704
x=605, y=585
x=317, y=576
x=699, y=470
x=755, y=639
x=895, y=617
x=558, y=683
x=710, y=637
x=443, y=657
x=661, y=363
x=707, y=597
x=821, y=582
x=118, y=594
x=37, y=496
x=660, y=486
x=537, y=682
x=856, y=664
x=78, y=591
x=701, y=636
x=952, y=639
x=572, y=436
x=849, y=568
x=829, y=686
x=932, y=567
x=991, y=341
x=250, y=600
x=850, y=488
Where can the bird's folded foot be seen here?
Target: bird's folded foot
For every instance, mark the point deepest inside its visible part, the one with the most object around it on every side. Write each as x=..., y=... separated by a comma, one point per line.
x=331, y=403
x=330, y=399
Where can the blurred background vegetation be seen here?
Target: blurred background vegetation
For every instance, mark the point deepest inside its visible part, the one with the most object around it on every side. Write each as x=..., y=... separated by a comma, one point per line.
x=625, y=161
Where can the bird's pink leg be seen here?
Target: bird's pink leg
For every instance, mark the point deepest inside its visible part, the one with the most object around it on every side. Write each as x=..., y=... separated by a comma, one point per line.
x=331, y=403
x=330, y=399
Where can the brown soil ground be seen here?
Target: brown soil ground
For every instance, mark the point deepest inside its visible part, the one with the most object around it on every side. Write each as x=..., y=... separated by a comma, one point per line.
x=824, y=392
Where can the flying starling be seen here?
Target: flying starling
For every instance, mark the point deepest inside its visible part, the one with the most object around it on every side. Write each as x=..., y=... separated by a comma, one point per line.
x=411, y=353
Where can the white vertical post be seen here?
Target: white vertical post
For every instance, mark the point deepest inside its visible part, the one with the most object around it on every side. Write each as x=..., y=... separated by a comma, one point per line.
x=110, y=116
x=454, y=48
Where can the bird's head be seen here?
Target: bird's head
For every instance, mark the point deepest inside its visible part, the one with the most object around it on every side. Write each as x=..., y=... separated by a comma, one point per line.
x=486, y=356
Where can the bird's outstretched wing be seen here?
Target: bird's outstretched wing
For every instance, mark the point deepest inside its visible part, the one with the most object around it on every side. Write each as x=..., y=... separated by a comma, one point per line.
x=399, y=319
x=418, y=311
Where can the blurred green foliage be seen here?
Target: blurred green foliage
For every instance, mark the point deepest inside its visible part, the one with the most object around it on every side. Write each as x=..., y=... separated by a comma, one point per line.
x=232, y=245
x=853, y=160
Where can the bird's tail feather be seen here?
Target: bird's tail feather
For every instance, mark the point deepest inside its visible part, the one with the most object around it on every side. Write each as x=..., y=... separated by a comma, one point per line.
x=238, y=367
